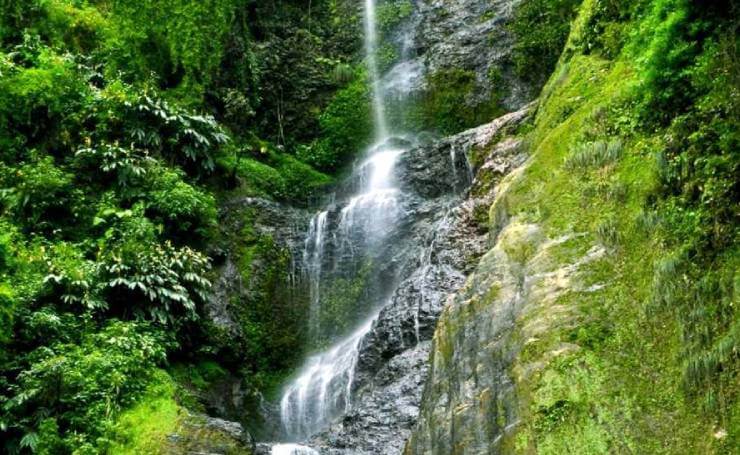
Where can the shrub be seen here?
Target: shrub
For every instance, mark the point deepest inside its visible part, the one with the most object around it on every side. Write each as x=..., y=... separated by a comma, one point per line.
x=82, y=385
x=181, y=137
x=182, y=208
x=540, y=29
x=73, y=279
x=7, y=310
x=346, y=127
x=128, y=164
x=159, y=283
x=42, y=194
x=391, y=13
x=35, y=102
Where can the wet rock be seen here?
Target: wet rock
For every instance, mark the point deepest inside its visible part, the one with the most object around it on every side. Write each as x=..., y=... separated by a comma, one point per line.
x=247, y=221
x=284, y=225
x=467, y=35
x=433, y=252
x=470, y=401
x=199, y=434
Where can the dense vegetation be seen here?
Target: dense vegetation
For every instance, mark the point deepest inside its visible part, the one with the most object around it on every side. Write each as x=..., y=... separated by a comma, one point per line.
x=122, y=123
x=636, y=143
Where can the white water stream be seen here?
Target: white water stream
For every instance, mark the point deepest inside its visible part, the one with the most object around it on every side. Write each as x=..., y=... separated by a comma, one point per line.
x=322, y=390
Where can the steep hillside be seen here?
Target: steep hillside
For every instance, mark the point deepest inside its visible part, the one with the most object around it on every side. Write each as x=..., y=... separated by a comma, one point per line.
x=605, y=317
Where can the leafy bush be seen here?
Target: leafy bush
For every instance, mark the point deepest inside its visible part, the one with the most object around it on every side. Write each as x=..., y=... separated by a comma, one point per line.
x=391, y=13
x=180, y=136
x=346, y=128
x=35, y=103
x=41, y=194
x=7, y=310
x=182, y=208
x=128, y=164
x=160, y=283
x=73, y=279
x=82, y=386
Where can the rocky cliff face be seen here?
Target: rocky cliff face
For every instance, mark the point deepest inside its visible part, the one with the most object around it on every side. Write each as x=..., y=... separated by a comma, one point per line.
x=447, y=186
x=470, y=401
x=257, y=285
x=446, y=39
x=392, y=366
x=472, y=35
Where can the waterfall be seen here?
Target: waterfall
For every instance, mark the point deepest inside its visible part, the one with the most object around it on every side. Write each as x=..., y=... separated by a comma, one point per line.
x=322, y=390
x=371, y=45
x=313, y=254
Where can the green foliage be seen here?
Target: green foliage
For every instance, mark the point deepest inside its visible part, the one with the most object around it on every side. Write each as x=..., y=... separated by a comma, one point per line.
x=594, y=155
x=391, y=13
x=126, y=163
x=119, y=121
x=276, y=175
x=72, y=278
x=540, y=29
x=346, y=127
x=689, y=87
x=37, y=100
x=648, y=73
x=184, y=210
x=165, y=282
x=180, y=42
x=189, y=139
x=82, y=385
x=7, y=310
x=40, y=194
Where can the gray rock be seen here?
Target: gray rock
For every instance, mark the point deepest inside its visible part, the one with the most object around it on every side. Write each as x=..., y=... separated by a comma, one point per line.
x=433, y=252
x=470, y=35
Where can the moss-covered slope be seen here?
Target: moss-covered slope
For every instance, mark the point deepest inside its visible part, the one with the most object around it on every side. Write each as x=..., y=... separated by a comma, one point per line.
x=605, y=317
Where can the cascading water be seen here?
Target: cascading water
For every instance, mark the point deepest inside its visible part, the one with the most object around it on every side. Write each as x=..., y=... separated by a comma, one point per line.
x=322, y=391
x=313, y=253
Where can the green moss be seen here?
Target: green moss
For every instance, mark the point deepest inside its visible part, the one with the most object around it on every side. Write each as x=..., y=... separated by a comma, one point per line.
x=158, y=424
x=446, y=106
x=627, y=378
x=275, y=175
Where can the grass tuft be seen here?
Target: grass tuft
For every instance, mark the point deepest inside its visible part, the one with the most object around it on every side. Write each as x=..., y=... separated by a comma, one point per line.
x=594, y=155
